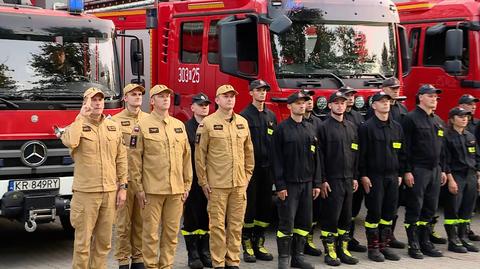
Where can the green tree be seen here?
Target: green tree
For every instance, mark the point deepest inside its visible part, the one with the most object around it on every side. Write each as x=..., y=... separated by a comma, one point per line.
x=6, y=81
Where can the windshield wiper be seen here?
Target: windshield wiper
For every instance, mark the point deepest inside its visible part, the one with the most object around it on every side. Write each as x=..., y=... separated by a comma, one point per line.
x=9, y=103
x=313, y=75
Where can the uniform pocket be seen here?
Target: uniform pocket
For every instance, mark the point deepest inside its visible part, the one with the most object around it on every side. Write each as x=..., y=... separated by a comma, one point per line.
x=155, y=145
x=89, y=143
x=76, y=213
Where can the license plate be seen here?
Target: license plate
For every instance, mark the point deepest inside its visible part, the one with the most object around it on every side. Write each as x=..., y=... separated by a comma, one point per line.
x=34, y=184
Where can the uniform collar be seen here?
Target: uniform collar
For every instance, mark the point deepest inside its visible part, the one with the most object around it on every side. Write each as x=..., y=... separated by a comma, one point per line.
x=418, y=108
x=222, y=116
x=380, y=123
x=130, y=114
x=166, y=120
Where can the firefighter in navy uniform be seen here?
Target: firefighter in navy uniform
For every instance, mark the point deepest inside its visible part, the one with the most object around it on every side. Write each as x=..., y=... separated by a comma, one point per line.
x=297, y=169
x=262, y=123
x=463, y=166
x=424, y=165
x=310, y=247
x=380, y=168
x=195, y=216
x=357, y=118
x=338, y=142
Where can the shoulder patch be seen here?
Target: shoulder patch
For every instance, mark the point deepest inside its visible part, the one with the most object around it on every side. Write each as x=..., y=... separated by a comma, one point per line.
x=111, y=128
x=217, y=127
x=178, y=130
x=153, y=130
x=240, y=126
x=125, y=123
x=86, y=128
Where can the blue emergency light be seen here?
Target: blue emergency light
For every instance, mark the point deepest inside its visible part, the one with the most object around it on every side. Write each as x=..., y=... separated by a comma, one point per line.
x=76, y=6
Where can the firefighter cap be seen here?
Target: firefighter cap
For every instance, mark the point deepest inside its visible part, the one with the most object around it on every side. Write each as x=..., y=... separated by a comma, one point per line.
x=467, y=99
x=337, y=95
x=226, y=88
x=200, y=98
x=458, y=111
x=347, y=89
x=427, y=89
x=130, y=87
x=300, y=95
x=159, y=89
x=256, y=84
x=379, y=96
x=91, y=92
x=391, y=82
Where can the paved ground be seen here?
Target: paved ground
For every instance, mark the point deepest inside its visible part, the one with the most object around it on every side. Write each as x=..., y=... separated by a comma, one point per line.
x=49, y=248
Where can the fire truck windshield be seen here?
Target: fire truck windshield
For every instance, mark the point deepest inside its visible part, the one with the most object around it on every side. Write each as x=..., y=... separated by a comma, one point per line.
x=345, y=50
x=56, y=68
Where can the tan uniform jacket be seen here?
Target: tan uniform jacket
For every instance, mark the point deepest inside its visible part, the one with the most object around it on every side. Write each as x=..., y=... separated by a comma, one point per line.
x=99, y=154
x=161, y=158
x=224, y=151
x=127, y=120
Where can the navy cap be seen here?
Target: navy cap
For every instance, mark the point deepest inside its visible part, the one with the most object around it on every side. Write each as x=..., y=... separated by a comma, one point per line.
x=427, y=89
x=200, y=98
x=256, y=84
x=347, y=89
x=308, y=92
x=467, y=99
x=458, y=111
x=379, y=96
x=297, y=96
x=337, y=95
x=391, y=82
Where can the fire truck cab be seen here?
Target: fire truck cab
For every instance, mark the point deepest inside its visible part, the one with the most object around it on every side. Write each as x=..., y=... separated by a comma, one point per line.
x=321, y=45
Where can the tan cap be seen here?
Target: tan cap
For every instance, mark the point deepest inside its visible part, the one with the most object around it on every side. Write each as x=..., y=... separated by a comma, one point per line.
x=91, y=92
x=130, y=87
x=158, y=89
x=226, y=88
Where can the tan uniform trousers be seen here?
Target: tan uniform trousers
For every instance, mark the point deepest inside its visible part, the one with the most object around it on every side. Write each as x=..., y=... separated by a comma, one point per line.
x=226, y=204
x=92, y=215
x=129, y=230
x=165, y=211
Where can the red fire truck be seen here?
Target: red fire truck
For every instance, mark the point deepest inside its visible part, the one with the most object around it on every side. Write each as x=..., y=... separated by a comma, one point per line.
x=48, y=58
x=321, y=45
x=444, y=43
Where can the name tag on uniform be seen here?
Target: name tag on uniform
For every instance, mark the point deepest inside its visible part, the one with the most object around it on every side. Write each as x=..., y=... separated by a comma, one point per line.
x=240, y=126
x=354, y=146
x=397, y=145
x=178, y=130
x=472, y=149
x=86, y=128
x=125, y=123
x=270, y=131
x=153, y=130
x=217, y=127
x=440, y=133
x=111, y=128
x=312, y=148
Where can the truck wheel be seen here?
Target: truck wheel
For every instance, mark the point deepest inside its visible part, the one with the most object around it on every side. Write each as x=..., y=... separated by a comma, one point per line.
x=67, y=226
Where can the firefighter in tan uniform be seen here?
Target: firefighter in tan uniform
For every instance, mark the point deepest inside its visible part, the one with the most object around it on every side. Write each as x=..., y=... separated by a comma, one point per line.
x=162, y=170
x=99, y=181
x=129, y=218
x=224, y=164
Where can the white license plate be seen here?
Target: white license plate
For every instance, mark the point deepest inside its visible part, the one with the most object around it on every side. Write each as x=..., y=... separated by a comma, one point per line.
x=34, y=184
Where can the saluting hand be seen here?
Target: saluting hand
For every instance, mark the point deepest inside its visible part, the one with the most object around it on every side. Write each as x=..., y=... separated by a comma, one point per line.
x=206, y=190
x=121, y=198
x=316, y=193
x=325, y=190
x=86, y=109
x=282, y=195
x=366, y=183
x=409, y=180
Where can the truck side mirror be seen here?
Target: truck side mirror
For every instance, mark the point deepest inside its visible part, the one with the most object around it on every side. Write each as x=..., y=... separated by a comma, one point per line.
x=238, y=56
x=454, y=51
x=436, y=29
x=136, y=57
x=280, y=25
x=402, y=33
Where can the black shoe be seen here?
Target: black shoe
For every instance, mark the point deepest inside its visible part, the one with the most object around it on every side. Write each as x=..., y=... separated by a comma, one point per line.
x=374, y=253
x=259, y=249
x=353, y=244
x=330, y=250
x=283, y=247
x=462, y=235
x=426, y=246
x=413, y=244
x=137, y=265
x=191, y=243
x=221, y=267
x=310, y=247
x=394, y=243
x=248, y=253
x=342, y=250
x=204, y=250
x=231, y=267
x=471, y=235
x=434, y=236
x=454, y=243
x=298, y=258
x=125, y=266
x=385, y=235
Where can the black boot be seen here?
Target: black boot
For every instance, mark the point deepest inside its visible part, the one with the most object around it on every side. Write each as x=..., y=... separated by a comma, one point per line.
x=204, y=250
x=191, y=242
x=413, y=244
x=310, y=247
x=283, y=246
x=298, y=259
x=454, y=244
x=394, y=243
x=374, y=253
x=434, y=236
x=426, y=246
x=125, y=266
x=471, y=235
x=353, y=244
x=342, y=250
x=259, y=249
x=462, y=234
x=329, y=244
x=247, y=245
x=385, y=235
x=137, y=265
